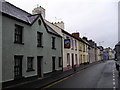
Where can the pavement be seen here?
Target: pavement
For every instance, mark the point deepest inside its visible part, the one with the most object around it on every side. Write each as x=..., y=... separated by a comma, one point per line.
x=48, y=79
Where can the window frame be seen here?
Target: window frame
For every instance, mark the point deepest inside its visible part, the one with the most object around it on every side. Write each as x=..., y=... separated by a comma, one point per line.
x=30, y=64
x=18, y=34
x=84, y=48
x=72, y=44
x=68, y=59
x=60, y=62
x=39, y=39
x=53, y=43
x=76, y=58
x=18, y=66
x=80, y=49
x=76, y=45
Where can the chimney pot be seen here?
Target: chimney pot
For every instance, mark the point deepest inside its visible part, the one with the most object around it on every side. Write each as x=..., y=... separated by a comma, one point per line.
x=85, y=38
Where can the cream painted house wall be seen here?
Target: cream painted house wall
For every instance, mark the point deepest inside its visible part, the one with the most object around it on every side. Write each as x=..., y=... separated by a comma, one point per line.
x=71, y=50
x=98, y=54
x=54, y=27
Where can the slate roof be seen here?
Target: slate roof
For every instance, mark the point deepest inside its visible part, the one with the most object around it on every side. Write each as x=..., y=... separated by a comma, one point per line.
x=18, y=13
x=51, y=30
x=15, y=12
x=86, y=42
x=92, y=44
x=118, y=44
x=80, y=39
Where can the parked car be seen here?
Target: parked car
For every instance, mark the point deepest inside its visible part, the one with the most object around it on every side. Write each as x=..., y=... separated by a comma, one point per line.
x=117, y=57
x=118, y=67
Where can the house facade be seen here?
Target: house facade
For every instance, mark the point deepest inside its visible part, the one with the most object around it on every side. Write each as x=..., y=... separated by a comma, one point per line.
x=70, y=52
x=105, y=55
x=29, y=47
x=108, y=53
x=101, y=52
x=98, y=54
x=86, y=50
x=85, y=54
x=70, y=44
x=92, y=51
x=81, y=50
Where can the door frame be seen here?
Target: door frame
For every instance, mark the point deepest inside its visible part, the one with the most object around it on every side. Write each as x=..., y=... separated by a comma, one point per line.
x=18, y=66
x=72, y=60
x=53, y=63
x=40, y=66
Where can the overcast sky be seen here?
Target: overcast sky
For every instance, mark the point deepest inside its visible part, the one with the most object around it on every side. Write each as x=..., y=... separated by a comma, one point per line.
x=95, y=19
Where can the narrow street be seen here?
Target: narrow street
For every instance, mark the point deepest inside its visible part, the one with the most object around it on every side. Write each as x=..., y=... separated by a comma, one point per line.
x=102, y=75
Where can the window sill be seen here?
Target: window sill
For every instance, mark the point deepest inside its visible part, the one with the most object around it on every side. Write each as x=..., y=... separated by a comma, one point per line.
x=18, y=43
x=60, y=66
x=72, y=48
x=40, y=46
x=54, y=48
x=68, y=65
x=29, y=70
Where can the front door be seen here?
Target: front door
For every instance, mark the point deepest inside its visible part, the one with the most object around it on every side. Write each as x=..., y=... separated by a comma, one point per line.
x=18, y=67
x=39, y=66
x=53, y=63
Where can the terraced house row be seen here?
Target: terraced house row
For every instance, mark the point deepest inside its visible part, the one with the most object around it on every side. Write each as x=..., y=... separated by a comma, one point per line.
x=33, y=47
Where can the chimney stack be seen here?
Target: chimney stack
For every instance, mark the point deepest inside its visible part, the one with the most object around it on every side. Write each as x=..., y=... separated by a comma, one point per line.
x=77, y=34
x=60, y=24
x=39, y=10
x=85, y=38
x=90, y=41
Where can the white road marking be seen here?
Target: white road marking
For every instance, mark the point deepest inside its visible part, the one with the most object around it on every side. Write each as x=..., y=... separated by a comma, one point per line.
x=113, y=83
x=113, y=79
x=114, y=88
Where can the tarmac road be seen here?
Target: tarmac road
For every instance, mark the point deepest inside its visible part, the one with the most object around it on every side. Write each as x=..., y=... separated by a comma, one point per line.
x=102, y=75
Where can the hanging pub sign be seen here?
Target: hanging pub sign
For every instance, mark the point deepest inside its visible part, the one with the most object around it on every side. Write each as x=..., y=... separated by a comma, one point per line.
x=67, y=43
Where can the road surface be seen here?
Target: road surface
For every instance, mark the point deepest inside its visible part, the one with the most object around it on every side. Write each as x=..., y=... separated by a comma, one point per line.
x=102, y=75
